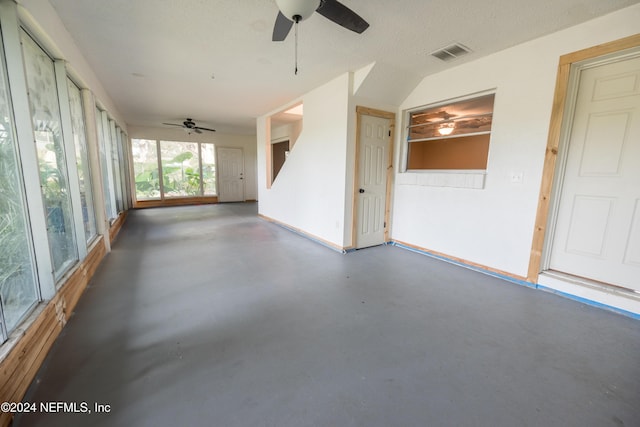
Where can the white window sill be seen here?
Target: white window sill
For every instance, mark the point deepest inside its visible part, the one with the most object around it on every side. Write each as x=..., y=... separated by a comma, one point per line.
x=472, y=179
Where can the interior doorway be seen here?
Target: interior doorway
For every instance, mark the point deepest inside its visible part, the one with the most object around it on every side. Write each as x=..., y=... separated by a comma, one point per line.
x=279, y=153
x=374, y=148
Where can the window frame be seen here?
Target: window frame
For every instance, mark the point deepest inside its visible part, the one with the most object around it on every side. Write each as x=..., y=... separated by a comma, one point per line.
x=443, y=104
x=67, y=161
x=105, y=165
x=25, y=214
x=88, y=174
x=163, y=198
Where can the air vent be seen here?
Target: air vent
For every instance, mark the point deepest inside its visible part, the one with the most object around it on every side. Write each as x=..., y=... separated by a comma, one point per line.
x=451, y=52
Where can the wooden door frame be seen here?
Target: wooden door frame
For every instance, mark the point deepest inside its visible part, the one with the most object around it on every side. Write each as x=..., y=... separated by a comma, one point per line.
x=554, y=139
x=365, y=111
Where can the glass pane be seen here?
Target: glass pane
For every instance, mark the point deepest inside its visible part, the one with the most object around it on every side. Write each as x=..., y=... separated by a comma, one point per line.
x=115, y=165
x=126, y=179
x=106, y=187
x=209, y=169
x=145, y=169
x=180, y=169
x=82, y=159
x=43, y=97
x=123, y=168
x=17, y=278
x=459, y=118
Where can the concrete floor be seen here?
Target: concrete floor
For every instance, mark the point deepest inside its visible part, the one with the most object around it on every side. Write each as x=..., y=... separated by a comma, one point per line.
x=209, y=316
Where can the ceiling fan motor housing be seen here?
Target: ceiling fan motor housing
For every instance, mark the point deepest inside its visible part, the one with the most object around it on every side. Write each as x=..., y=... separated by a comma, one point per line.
x=297, y=10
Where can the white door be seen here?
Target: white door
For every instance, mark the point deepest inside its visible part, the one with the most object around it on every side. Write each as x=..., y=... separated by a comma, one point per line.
x=230, y=175
x=597, y=233
x=372, y=180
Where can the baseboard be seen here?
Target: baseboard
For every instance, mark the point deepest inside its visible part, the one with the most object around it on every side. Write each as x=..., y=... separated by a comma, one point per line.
x=305, y=234
x=31, y=343
x=175, y=201
x=607, y=299
x=466, y=264
x=116, y=226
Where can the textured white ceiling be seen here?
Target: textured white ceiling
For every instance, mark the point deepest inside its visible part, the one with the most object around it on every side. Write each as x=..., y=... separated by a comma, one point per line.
x=156, y=58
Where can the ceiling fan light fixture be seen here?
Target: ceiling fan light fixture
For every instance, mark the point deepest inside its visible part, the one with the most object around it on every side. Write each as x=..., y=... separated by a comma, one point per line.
x=446, y=129
x=297, y=8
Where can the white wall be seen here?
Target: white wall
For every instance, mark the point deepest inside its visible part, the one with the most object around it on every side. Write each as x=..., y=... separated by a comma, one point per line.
x=494, y=226
x=332, y=112
x=246, y=142
x=309, y=193
x=290, y=131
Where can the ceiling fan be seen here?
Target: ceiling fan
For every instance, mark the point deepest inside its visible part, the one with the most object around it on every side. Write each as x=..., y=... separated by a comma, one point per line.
x=190, y=126
x=295, y=11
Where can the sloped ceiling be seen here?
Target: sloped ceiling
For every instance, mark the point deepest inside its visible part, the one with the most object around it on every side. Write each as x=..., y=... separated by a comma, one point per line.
x=214, y=61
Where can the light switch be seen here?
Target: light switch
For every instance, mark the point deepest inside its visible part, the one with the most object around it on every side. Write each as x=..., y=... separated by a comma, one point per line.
x=516, y=177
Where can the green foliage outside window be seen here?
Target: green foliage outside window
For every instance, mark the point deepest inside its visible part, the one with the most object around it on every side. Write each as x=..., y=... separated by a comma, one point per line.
x=16, y=275
x=180, y=166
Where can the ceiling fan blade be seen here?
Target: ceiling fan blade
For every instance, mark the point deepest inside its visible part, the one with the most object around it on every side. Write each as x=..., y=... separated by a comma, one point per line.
x=281, y=28
x=197, y=128
x=172, y=124
x=342, y=15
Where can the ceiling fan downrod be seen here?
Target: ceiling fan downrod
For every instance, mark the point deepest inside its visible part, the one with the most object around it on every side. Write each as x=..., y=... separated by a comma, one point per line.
x=296, y=20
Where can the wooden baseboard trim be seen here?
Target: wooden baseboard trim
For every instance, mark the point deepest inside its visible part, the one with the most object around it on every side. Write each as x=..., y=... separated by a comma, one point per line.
x=305, y=234
x=116, y=226
x=178, y=201
x=19, y=367
x=465, y=263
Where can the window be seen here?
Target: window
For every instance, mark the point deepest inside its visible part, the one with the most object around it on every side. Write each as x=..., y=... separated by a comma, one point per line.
x=145, y=169
x=451, y=136
x=184, y=169
x=208, y=152
x=103, y=132
x=114, y=139
x=82, y=160
x=180, y=169
x=45, y=112
x=18, y=285
x=47, y=211
x=124, y=167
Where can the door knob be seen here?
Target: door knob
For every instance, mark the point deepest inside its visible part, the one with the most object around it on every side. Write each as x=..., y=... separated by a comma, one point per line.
x=361, y=190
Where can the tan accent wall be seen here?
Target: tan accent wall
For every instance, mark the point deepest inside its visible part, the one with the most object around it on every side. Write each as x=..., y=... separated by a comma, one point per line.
x=468, y=152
